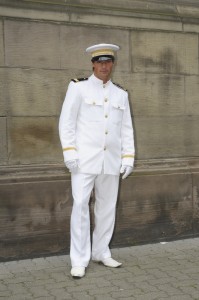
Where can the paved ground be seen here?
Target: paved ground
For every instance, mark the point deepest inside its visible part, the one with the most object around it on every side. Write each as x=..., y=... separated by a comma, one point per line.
x=157, y=271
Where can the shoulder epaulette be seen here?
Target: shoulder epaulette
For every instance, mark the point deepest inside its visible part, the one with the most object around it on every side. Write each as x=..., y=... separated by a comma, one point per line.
x=119, y=86
x=79, y=79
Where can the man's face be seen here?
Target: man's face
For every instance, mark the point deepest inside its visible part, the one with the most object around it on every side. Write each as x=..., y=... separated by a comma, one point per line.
x=103, y=69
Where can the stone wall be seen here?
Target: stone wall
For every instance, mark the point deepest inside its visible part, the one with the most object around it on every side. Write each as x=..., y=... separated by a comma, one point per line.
x=42, y=46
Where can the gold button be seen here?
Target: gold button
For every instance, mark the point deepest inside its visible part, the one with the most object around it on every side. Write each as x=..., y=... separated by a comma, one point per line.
x=106, y=116
x=105, y=99
x=104, y=148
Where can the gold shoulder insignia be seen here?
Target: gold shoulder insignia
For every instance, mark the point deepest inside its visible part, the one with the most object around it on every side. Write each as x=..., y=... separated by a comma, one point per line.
x=79, y=79
x=119, y=86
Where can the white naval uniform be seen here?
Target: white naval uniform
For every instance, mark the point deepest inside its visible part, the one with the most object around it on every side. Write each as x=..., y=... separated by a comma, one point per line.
x=95, y=127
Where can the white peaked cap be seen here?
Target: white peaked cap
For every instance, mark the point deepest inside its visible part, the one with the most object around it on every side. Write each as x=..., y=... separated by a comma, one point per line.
x=102, y=49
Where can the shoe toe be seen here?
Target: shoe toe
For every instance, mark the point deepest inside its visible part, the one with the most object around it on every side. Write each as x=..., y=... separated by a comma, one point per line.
x=112, y=263
x=78, y=272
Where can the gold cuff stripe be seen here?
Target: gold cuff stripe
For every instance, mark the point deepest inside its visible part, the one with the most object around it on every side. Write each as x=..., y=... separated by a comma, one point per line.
x=102, y=52
x=128, y=156
x=69, y=148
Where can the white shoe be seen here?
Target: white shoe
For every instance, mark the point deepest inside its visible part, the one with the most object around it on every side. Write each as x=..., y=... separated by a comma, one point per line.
x=110, y=262
x=78, y=272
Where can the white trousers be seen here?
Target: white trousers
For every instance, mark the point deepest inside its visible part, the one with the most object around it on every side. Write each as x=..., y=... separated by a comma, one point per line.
x=106, y=191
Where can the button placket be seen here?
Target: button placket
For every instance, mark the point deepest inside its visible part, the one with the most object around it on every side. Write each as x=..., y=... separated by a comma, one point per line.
x=106, y=115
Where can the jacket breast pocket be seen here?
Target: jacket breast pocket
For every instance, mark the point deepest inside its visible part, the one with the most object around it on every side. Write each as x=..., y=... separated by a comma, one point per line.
x=93, y=110
x=117, y=111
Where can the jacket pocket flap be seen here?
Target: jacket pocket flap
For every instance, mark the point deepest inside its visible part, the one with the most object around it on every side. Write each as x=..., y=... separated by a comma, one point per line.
x=118, y=105
x=91, y=101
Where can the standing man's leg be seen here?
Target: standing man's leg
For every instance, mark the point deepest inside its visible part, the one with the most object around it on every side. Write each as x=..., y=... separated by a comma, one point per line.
x=80, y=248
x=106, y=192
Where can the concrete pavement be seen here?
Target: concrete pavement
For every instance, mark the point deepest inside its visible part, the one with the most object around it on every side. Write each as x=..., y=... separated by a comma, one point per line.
x=155, y=271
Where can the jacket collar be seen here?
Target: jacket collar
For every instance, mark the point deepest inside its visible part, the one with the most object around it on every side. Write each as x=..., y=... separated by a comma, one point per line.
x=99, y=81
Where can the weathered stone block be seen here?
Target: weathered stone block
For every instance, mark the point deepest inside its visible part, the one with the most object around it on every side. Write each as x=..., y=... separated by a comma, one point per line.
x=191, y=95
x=152, y=208
x=34, y=140
x=153, y=94
x=3, y=141
x=164, y=137
x=160, y=52
x=1, y=44
x=32, y=44
x=130, y=21
x=188, y=10
x=34, y=218
x=75, y=40
x=158, y=95
x=191, y=27
x=32, y=92
x=195, y=177
x=3, y=92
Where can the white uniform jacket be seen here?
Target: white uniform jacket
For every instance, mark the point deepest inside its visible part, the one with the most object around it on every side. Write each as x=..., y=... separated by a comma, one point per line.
x=95, y=126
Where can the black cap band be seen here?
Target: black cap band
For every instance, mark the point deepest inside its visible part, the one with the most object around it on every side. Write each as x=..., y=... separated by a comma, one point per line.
x=103, y=58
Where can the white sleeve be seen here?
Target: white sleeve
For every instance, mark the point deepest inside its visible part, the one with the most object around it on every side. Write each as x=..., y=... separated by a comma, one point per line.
x=67, y=122
x=128, y=149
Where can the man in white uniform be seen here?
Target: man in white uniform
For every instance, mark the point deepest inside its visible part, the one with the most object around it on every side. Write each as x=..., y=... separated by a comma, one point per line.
x=97, y=139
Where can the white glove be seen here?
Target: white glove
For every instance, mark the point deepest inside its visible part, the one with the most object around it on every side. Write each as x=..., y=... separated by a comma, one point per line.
x=127, y=170
x=72, y=165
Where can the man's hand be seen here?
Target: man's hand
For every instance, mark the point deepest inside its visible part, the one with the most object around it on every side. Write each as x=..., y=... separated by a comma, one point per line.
x=127, y=170
x=72, y=165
